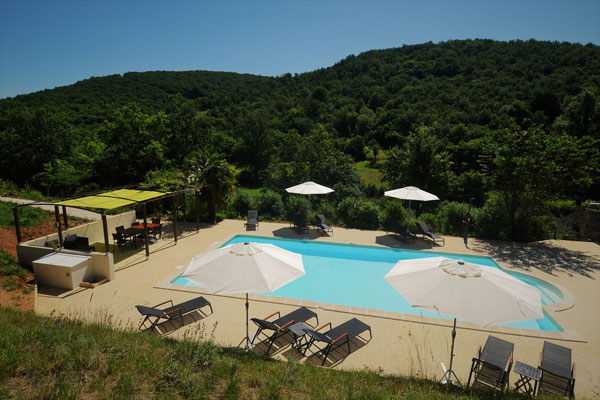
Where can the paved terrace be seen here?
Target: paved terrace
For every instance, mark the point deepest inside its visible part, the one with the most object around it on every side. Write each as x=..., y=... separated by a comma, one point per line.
x=401, y=344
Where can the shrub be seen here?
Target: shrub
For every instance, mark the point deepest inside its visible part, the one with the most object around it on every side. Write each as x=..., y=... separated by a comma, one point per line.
x=451, y=216
x=28, y=216
x=394, y=212
x=293, y=204
x=270, y=205
x=359, y=213
x=431, y=220
x=491, y=221
x=241, y=202
x=9, y=265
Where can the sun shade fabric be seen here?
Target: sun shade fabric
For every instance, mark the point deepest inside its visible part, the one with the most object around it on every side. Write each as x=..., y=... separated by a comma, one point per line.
x=470, y=292
x=411, y=193
x=112, y=199
x=309, y=188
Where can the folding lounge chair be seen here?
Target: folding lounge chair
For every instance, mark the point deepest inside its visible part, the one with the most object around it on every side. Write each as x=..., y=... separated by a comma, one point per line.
x=422, y=229
x=173, y=312
x=335, y=337
x=558, y=374
x=400, y=231
x=252, y=219
x=299, y=223
x=491, y=367
x=280, y=326
x=323, y=225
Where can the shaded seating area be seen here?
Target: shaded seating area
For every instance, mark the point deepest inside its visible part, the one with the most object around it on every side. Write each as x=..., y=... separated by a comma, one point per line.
x=281, y=325
x=557, y=371
x=156, y=230
x=79, y=243
x=422, y=229
x=299, y=223
x=491, y=366
x=252, y=221
x=335, y=337
x=400, y=232
x=154, y=315
x=322, y=225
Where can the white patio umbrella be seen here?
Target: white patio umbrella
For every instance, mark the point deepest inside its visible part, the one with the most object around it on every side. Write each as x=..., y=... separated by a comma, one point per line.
x=309, y=188
x=470, y=292
x=244, y=267
x=410, y=193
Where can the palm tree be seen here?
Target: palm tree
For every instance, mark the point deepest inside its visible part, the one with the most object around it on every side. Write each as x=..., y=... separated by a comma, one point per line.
x=210, y=172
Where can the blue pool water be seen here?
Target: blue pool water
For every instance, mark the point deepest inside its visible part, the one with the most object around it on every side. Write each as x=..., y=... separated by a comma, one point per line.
x=352, y=275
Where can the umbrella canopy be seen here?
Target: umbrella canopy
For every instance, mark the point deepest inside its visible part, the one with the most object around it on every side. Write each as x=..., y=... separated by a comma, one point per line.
x=309, y=188
x=470, y=292
x=410, y=193
x=244, y=267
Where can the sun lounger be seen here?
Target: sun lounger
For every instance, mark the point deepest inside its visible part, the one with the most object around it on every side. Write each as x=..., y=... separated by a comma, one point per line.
x=335, y=337
x=154, y=315
x=400, y=231
x=558, y=374
x=322, y=225
x=299, y=223
x=281, y=324
x=422, y=229
x=252, y=219
x=491, y=366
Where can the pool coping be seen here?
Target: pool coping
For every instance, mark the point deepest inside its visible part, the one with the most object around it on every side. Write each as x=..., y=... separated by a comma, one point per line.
x=567, y=302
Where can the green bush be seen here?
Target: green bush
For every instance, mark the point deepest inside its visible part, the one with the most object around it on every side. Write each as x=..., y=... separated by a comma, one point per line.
x=296, y=203
x=359, y=213
x=270, y=206
x=451, y=216
x=241, y=202
x=393, y=212
x=491, y=221
x=431, y=220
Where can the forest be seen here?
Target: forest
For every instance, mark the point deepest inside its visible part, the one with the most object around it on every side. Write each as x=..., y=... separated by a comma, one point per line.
x=511, y=129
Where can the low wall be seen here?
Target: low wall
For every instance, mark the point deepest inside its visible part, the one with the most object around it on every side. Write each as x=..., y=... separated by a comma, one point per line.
x=101, y=264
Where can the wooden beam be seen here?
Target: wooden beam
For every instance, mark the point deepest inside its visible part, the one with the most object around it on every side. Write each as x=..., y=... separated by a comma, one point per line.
x=175, y=217
x=60, y=236
x=105, y=228
x=17, y=224
x=146, y=232
x=197, y=210
x=65, y=217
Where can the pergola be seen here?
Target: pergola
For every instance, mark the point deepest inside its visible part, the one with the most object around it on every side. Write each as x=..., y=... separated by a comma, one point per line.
x=110, y=200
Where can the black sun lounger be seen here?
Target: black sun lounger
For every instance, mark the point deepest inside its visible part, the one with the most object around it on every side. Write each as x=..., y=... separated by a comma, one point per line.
x=154, y=314
x=322, y=225
x=281, y=325
x=423, y=229
x=299, y=223
x=491, y=366
x=252, y=219
x=558, y=374
x=335, y=337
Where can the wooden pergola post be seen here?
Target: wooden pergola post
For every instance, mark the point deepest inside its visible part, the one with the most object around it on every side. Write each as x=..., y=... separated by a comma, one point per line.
x=197, y=210
x=65, y=217
x=60, y=236
x=17, y=223
x=105, y=228
x=175, y=217
x=146, y=232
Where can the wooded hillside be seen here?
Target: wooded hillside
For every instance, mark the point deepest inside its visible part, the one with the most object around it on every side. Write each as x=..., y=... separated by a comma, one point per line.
x=469, y=118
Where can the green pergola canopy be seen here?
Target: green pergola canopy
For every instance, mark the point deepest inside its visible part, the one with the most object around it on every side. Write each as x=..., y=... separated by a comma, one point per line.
x=112, y=199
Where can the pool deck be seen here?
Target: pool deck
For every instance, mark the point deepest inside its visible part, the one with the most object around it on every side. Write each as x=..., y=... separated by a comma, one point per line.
x=401, y=344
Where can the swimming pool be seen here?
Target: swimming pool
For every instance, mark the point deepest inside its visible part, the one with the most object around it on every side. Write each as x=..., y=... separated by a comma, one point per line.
x=352, y=275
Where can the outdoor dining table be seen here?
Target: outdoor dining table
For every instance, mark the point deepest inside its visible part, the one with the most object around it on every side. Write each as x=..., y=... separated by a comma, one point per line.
x=135, y=230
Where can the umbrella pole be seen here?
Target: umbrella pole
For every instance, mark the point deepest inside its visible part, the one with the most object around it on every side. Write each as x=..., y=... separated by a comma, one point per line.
x=408, y=217
x=248, y=338
x=450, y=372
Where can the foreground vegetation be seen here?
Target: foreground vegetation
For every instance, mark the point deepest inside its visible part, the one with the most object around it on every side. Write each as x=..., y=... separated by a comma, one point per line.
x=62, y=359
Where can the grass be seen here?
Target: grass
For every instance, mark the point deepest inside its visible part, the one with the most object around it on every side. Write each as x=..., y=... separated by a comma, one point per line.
x=369, y=174
x=28, y=216
x=63, y=359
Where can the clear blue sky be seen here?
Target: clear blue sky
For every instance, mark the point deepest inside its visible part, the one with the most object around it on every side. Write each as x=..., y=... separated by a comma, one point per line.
x=44, y=43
